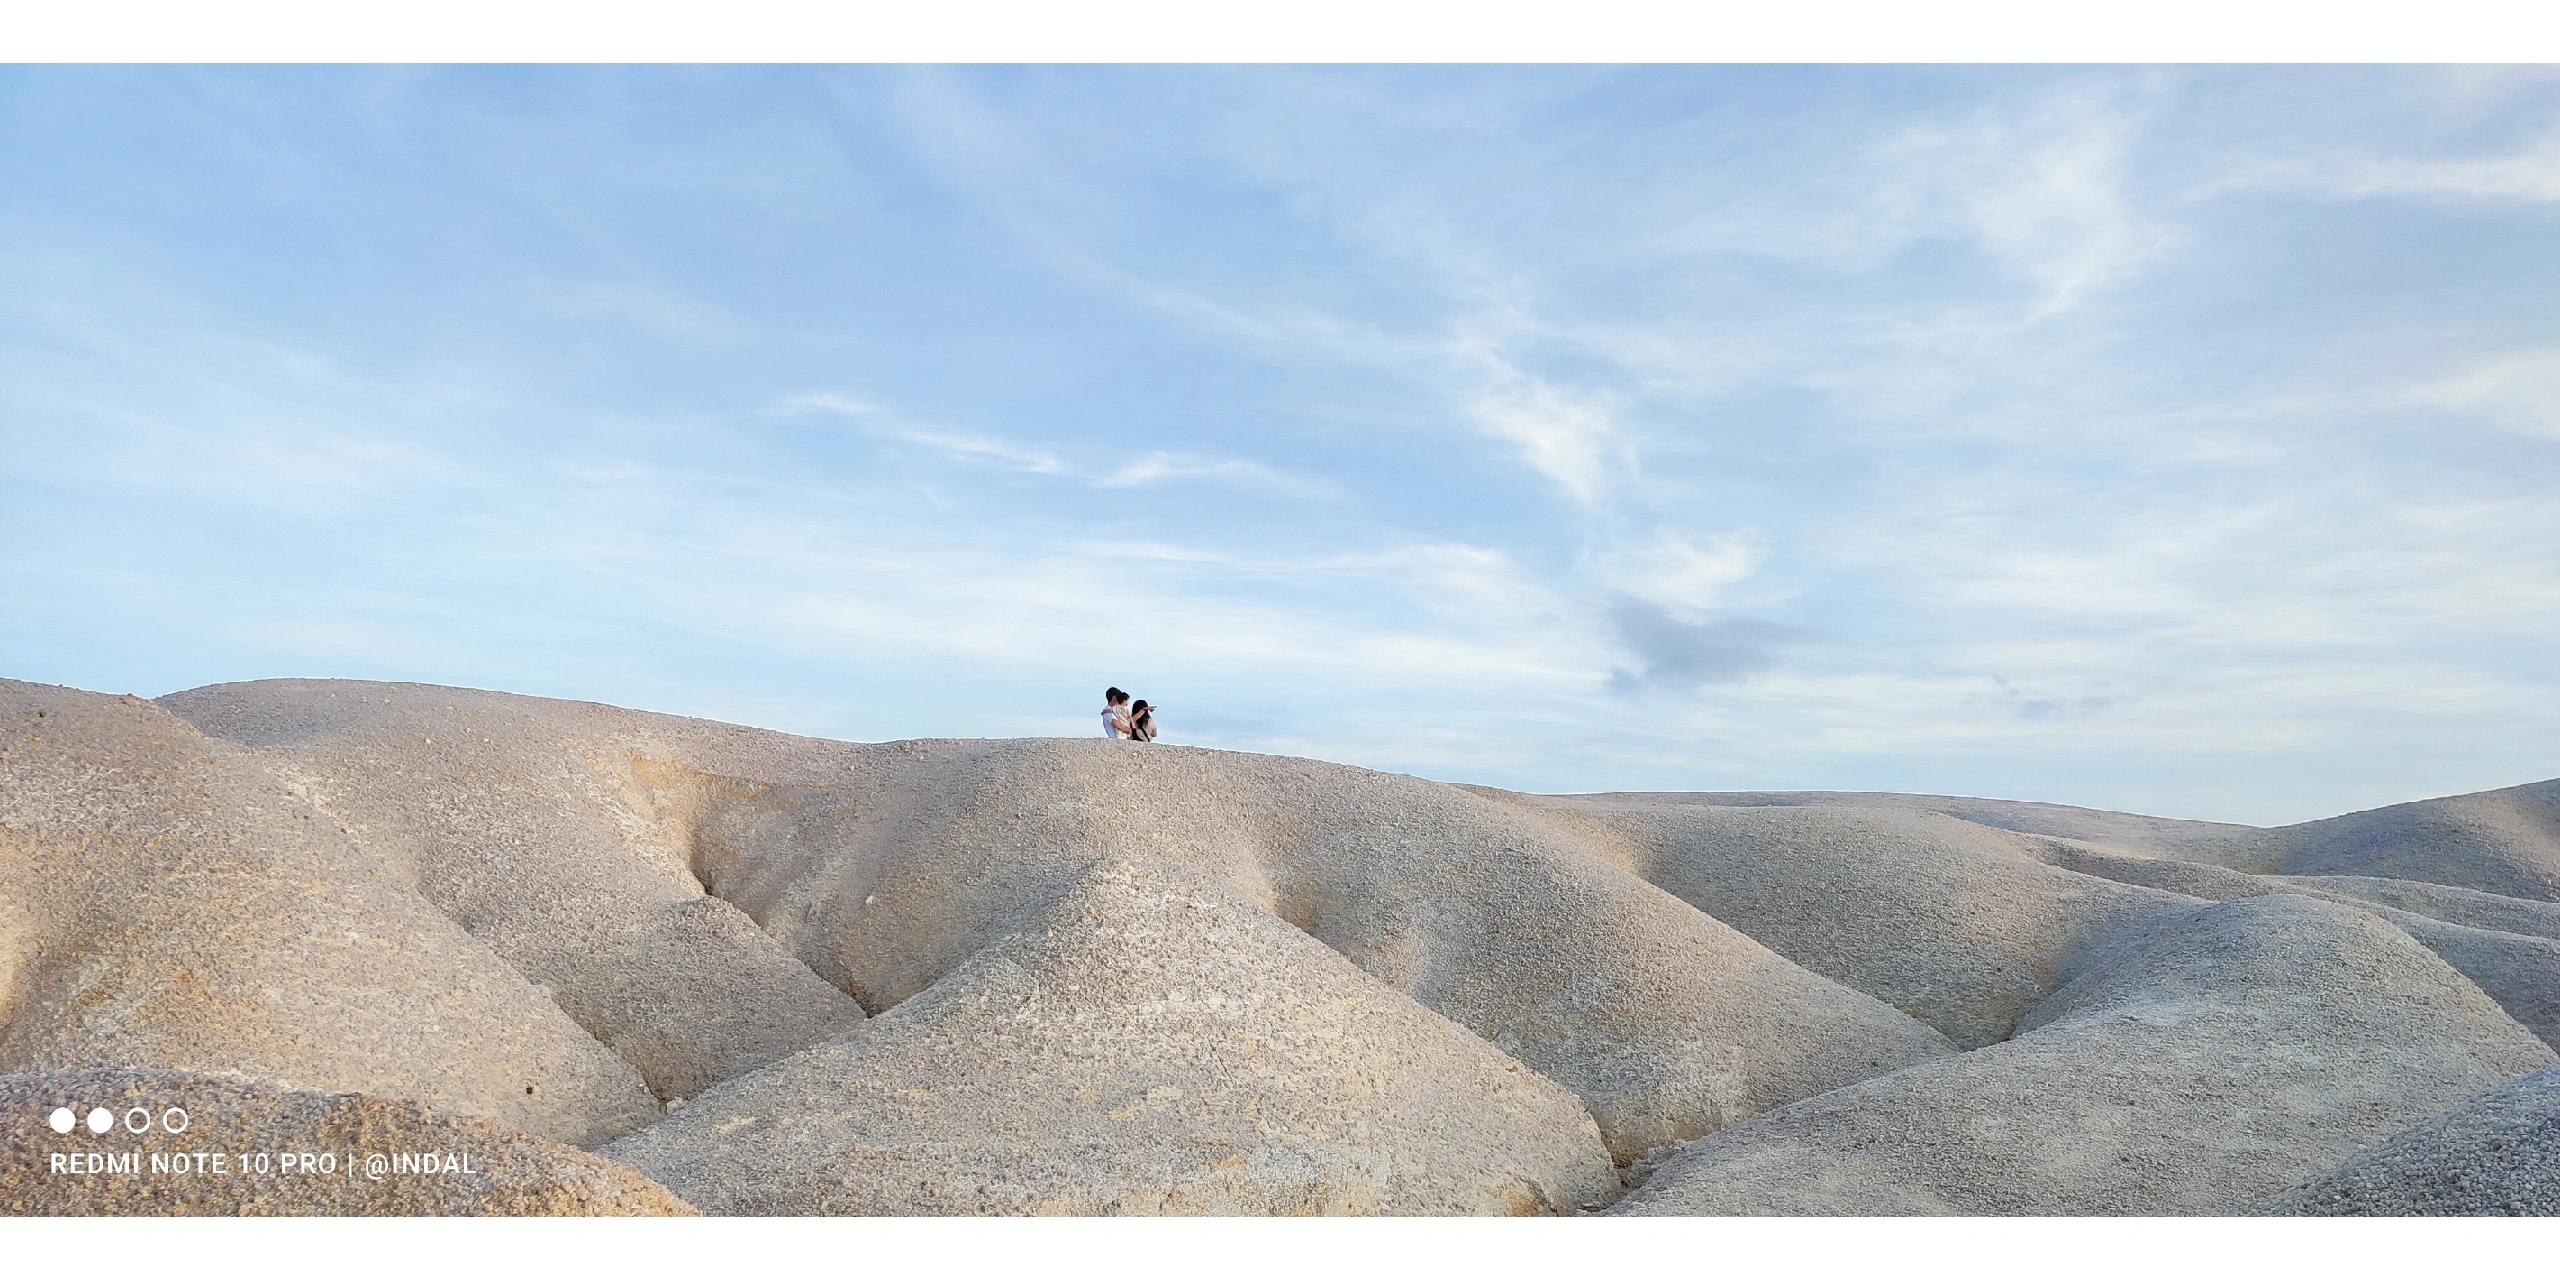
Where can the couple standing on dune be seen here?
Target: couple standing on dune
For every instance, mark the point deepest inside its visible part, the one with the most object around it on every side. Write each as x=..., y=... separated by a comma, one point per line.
x=1125, y=721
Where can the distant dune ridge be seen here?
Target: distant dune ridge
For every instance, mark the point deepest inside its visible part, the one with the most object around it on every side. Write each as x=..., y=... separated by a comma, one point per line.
x=755, y=973
x=2200, y=1066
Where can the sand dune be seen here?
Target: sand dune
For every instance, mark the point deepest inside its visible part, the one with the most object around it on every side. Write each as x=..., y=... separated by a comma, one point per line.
x=1665, y=1021
x=2026, y=817
x=2518, y=965
x=173, y=905
x=882, y=867
x=497, y=811
x=1953, y=923
x=784, y=974
x=1148, y=1043
x=2503, y=842
x=2498, y=1154
x=2210, y=1059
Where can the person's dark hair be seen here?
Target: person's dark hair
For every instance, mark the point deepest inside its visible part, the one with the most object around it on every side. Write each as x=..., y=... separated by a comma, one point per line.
x=1113, y=695
x=1139, y=705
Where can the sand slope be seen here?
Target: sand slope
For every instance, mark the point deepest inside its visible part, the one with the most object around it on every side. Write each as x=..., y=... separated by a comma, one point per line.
x=1966, y=926
x=503, y=819
x=2208, y=1060
x=2498, y=1154
x=2026, y=817
x=883, y=866
x=1148, y=1043
x=2507, y=946
x=1951, y=922
x=1665, y=1021
x=166, y=903
x=2503, y=842
x=482, y=1170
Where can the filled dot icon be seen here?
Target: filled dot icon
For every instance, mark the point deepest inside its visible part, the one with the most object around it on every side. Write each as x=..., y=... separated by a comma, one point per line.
x=101, y=1120
x=63, y=1119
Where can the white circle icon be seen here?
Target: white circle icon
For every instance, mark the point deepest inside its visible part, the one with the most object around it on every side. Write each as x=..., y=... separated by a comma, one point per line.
x=63, y=1119
x=101, y=1120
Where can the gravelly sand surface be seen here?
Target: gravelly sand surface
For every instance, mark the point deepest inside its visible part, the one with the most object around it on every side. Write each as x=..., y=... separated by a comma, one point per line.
x=520, y=828
x=1149, y=1043
x=2202, y=1061
x=792, y=975
x=2496, y=1155
x=1958, y=925
x=170, y=903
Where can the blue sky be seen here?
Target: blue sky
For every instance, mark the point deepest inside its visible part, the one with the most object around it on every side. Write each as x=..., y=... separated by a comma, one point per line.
x=2184, y=440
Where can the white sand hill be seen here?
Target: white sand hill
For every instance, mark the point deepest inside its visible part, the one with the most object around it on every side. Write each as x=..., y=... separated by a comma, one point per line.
x=788, y=975
x=1148, y=1043
x=2200, y=1062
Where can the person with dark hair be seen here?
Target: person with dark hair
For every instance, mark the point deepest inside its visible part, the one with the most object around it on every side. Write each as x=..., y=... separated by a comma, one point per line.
x=1142, y=721
x=1115, y=714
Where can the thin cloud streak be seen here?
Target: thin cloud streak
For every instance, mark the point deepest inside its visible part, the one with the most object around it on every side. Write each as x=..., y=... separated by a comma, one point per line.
x=1147, y=469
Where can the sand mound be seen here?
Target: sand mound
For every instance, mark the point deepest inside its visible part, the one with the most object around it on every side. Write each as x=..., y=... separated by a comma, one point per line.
x=883, y=866
x=2497, y=1154
x=2469, y=907
x=259, y=1133
x=166, y=903
x=498, y=810
x=1150, y=1043
x=2197, y=1064
x=2502, y=842
x=2026, y=817
x=1953, y=923
x=2522, y=974
x=1664, y=1021
x=2520, y=970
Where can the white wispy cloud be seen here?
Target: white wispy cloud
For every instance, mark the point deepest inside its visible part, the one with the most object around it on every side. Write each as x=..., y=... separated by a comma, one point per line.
x=2520, y=392
x=2529, y=174
x=1678, y=567
x=121, y=381
x=987, y=447
x=1152, y=468
x=1574, y=438
x=2042, y=185
x=665, y=313
x=1159, y=467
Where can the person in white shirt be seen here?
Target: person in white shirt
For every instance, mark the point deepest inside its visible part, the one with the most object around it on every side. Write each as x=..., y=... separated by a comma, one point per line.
x=1115, y=714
